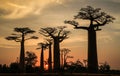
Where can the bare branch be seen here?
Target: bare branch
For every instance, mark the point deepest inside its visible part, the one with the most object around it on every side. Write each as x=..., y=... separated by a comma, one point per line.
x=15, y=38
x=48, y=31
x=61, y=29
x=105, y=19
x=32, y=37
x=64, y=35
x=42, y=45
x=76, y=25
x=49, y=41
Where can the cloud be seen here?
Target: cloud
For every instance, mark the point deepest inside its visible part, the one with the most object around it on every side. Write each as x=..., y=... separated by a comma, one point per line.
x=23, y=9
x=4, y=12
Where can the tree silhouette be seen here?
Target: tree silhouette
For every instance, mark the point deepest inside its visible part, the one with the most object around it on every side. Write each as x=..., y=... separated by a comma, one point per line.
x=65, y=56
x=42, y=46
x=49, y=43
x=58, y=35
x=104, y=67
x=20, y=37
x=97, y=19
x=30, y=58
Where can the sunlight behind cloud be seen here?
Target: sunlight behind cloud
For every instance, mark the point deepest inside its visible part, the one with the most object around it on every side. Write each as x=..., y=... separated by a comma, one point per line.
x=21, y=9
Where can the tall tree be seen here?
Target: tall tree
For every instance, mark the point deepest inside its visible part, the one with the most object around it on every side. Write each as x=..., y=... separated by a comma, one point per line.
x=42, y=46
x=97, y=18
x=49, y=43
x=19, y=36
x=58, y=35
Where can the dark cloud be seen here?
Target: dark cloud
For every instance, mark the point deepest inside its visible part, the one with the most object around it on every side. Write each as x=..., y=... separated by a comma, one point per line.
x=4, y=12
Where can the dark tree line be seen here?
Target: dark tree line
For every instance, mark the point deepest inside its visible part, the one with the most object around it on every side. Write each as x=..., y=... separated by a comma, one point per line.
x=56, y=35
x=30, y=61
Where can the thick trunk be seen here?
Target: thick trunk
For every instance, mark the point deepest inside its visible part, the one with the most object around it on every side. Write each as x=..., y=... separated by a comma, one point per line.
x=22, y=56
x=50, y=59
x=92, y=51
x=56, y=55
x=42, y=60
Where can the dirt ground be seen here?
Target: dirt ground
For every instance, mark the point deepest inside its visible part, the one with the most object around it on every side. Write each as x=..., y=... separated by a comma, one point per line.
x=54, y=74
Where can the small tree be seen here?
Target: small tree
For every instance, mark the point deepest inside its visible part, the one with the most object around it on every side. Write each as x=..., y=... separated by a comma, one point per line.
x=31, y=58
x=97, y=19
x=65, y=56
x=104, y=67
x=20, y=37
x=58, y=35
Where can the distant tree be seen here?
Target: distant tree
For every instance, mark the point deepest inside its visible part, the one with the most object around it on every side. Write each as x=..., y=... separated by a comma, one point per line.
x=31, y=58
x=20, y=37
x=49, y=43
x=76, y=66
x=97, y=19
x=104, y=67
x=65, y=56
x=58, y=35
x=42, y=46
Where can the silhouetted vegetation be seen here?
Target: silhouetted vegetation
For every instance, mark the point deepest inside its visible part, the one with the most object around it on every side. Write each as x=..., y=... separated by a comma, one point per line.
x=64, y=56
x=20, y=37
x=58, y=35
x=97, y=18
x=30, y=59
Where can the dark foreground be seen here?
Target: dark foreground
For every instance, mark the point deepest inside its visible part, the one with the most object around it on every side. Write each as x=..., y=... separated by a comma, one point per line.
x=55, y=74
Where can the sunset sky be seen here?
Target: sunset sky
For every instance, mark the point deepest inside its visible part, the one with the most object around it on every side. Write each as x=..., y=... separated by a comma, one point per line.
x=43, y=13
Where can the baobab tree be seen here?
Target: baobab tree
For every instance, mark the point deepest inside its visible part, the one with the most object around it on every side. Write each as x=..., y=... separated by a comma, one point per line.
x=19, y=36
x=49, y=43
x=58, y=35
x=65, y=56
x=42, y=46
x=96, y=19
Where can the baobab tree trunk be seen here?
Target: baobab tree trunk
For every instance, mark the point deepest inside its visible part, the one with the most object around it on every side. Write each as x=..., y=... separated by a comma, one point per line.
x=92, y=51
x=22, y=56
x=56, y=55
x=42, y=59
x=50, y=59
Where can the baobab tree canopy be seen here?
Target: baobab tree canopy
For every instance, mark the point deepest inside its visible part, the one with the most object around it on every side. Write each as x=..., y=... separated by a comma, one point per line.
x=94, y=15
x=18, y=37
x=55, y=32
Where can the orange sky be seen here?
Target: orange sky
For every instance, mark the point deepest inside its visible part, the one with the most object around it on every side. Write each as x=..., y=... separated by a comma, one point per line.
x=42, y=13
